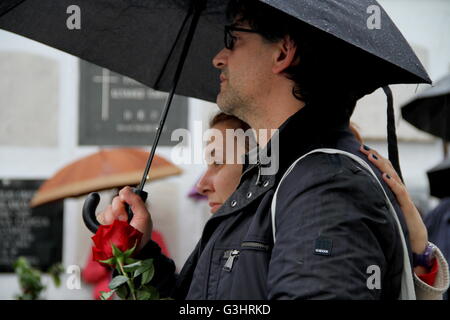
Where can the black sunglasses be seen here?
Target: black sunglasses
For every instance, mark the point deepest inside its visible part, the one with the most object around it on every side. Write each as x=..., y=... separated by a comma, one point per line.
x=230, y=39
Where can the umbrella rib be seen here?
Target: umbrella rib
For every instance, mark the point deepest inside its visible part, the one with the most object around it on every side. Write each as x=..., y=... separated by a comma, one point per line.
x=166, y=62
x=184, y=52
x=12, y=7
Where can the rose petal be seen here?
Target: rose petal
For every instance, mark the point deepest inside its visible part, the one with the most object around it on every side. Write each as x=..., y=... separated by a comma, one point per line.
x=120, y=233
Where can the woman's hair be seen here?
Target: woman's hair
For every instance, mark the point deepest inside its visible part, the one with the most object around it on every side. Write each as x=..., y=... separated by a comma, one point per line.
x=354, y=128
x=222, y=117
x=237, y=124
x=324, y=75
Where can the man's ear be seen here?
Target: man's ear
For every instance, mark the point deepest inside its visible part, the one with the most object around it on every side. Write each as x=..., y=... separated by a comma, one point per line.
x=285, y=55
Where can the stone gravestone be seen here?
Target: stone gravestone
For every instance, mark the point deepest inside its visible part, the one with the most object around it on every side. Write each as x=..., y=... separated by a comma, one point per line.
x=36, y=234
x=116, y=110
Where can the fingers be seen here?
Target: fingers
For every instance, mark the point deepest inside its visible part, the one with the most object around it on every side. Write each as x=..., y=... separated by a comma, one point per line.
x=390, y=176
x=106, y=216
x=118, y=209
x=399, y=190
x=418, y=235
x=380, y=162
x=101, y=216
x=141, y=217
x=114, y=211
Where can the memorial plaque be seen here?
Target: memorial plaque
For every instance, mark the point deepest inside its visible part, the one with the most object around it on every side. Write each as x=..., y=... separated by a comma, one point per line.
x=116, y=110
x=36, y=234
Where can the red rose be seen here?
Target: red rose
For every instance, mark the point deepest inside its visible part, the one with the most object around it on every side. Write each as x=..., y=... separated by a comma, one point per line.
x=120, y=233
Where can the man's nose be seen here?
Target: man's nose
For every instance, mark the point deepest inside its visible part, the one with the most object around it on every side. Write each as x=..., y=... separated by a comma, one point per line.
x=204, y=185
x=220, y=60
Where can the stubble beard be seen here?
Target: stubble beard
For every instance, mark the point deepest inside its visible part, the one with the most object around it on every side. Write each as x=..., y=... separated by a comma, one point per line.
x=231, y=102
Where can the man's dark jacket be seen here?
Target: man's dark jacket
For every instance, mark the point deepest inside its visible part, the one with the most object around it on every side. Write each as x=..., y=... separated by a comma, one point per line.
x=335, y=238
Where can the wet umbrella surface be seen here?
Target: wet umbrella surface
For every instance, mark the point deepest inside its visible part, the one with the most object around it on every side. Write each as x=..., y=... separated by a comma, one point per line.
x=142, y=39
x=439, y=177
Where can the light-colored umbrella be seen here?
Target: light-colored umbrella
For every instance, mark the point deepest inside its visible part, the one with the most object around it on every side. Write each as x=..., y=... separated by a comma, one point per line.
x=106, y=169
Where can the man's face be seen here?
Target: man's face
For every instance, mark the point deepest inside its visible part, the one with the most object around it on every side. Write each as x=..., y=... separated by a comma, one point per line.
x=245, y=71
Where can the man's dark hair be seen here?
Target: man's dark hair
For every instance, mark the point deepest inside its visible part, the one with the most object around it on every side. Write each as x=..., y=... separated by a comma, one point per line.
x=322, y=77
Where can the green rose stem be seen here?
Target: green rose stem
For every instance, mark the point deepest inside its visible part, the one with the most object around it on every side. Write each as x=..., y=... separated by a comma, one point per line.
x=130, y=283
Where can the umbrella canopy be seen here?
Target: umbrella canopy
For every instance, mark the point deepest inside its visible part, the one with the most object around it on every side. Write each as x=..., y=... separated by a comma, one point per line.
x=102, y=170
x=430, y=110
x=439, y=179
x=142, y=39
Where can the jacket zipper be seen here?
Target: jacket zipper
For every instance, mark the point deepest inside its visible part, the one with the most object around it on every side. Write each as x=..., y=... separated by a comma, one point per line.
x=231, y=255
x=254, y=245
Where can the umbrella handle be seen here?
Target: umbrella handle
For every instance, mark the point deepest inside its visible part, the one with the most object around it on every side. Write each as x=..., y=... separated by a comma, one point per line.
x=91, y=203
x=89, y=217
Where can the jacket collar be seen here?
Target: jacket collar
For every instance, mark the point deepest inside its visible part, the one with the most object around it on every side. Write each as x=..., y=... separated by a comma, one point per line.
x=307, y=129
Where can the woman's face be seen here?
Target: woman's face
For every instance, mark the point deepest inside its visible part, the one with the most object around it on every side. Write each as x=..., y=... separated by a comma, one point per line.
x=221, y=178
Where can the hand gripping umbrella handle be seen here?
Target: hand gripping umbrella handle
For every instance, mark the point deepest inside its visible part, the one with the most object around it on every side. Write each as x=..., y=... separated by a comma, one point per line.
x=91, y=203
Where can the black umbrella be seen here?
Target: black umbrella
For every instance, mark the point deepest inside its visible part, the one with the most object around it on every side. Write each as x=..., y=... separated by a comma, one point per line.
x=143, y=39
x=430, y=110
x=147, y=41
x=439, y=178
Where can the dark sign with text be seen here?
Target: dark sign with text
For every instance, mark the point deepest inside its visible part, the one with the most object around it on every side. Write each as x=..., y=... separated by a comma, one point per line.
x=33, y=233
x=116, y=110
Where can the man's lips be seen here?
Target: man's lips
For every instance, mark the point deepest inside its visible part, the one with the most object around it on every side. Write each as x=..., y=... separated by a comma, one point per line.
x=222, y=78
